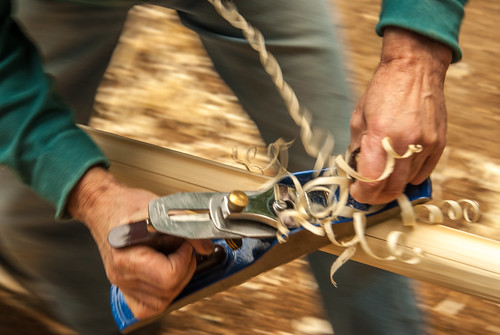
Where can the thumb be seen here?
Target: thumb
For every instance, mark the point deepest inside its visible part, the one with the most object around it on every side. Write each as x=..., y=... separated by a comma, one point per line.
x=202, y=247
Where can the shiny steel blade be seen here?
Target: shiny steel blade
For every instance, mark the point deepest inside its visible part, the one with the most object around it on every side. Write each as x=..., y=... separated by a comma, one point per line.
x=185, y=215
x=255, y=221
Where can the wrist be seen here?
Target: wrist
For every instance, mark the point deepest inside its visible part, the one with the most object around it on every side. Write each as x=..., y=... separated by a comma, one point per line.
x=89, y=191
x=412, y=49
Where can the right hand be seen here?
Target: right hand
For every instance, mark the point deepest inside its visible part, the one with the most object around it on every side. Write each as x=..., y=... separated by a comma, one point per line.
x=148, y=279
x=405, y=102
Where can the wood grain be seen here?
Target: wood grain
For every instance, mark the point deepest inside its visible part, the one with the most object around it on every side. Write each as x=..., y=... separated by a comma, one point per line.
x=155, y=77
x=470, y=269
x=469, y=167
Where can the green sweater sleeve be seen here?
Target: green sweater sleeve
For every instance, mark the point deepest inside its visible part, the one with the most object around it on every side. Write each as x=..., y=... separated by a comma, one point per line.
x=437, y=19
x=38, y=137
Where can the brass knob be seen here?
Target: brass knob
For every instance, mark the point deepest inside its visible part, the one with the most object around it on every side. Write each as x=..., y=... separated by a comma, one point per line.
x=237, y=201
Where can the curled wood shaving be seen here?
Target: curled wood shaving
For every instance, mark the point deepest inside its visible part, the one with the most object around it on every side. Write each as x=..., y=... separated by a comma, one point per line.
x=455, y=210
x=470, y=207
x=250, y=155
x=341, y=260
x=396, y=241
x=334, y=182
x=338, y=174
x=389, y=165
x=276, y=151
x=317, y=143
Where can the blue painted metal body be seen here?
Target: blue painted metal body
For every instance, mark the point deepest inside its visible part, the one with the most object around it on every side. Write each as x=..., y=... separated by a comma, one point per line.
x=251, y=251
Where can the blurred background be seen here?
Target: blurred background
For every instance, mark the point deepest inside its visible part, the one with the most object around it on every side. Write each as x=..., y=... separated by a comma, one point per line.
x=160, y=85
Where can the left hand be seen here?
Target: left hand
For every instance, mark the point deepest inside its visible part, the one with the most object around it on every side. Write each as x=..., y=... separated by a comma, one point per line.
x=148, y=279
x=404, y=101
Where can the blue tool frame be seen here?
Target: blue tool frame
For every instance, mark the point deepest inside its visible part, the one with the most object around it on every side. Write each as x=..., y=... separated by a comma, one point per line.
x=250, y=254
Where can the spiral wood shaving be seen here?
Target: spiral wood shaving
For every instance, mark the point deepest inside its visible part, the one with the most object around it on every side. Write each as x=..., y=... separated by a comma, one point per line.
x=337, y=174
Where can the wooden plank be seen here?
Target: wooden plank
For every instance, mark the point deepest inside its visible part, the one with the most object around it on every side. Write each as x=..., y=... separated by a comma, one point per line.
x=165, y=171
x=454, y=259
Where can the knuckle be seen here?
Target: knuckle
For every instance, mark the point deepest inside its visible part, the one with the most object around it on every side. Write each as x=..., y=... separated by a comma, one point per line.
x=392, y=194
x=113, y=276
x=159, y=305
x=356, y=122
x=429, y=139
x=115, y=270
x=145, y=309
x=121, y=262
x=370, y=188
x=366, y=192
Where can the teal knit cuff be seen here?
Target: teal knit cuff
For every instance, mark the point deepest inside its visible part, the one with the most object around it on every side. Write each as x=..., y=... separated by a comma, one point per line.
x=436, y=19
x=63, y=165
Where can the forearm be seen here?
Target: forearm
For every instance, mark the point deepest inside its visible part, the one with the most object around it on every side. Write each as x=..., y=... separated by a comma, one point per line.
x=38, y=137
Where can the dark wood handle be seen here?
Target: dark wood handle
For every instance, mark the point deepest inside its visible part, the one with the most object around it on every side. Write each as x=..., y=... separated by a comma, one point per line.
x=141, y=233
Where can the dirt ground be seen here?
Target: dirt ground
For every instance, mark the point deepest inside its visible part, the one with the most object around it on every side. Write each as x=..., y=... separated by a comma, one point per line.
x=133, y=102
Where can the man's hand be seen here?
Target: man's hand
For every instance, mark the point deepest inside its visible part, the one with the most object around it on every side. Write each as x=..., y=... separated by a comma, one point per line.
x=148, y=279
x=404, y=101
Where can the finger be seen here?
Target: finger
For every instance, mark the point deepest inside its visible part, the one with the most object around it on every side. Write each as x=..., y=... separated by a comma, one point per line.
x=144, y=305
x=165, y=244
x=203, y=247
x=182, y=266
x=418, y=162
x=415, y=164
x=145, y=300
x=146, y=285
x=149, y=297
x=370, y=164
x=427, y=167
x=357, y=126
x=397, y=181
x=157, y=271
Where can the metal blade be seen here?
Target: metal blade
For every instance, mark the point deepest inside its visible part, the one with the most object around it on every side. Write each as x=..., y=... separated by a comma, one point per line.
x=256, y=221
x=185, y=215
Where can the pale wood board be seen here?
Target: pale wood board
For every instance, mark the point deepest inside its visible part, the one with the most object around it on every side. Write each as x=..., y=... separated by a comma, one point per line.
x=472, y=269
x=468, y=169
x=160, y=71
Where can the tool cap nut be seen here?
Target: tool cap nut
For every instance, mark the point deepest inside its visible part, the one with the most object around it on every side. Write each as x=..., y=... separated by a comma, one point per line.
x=237, y=201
